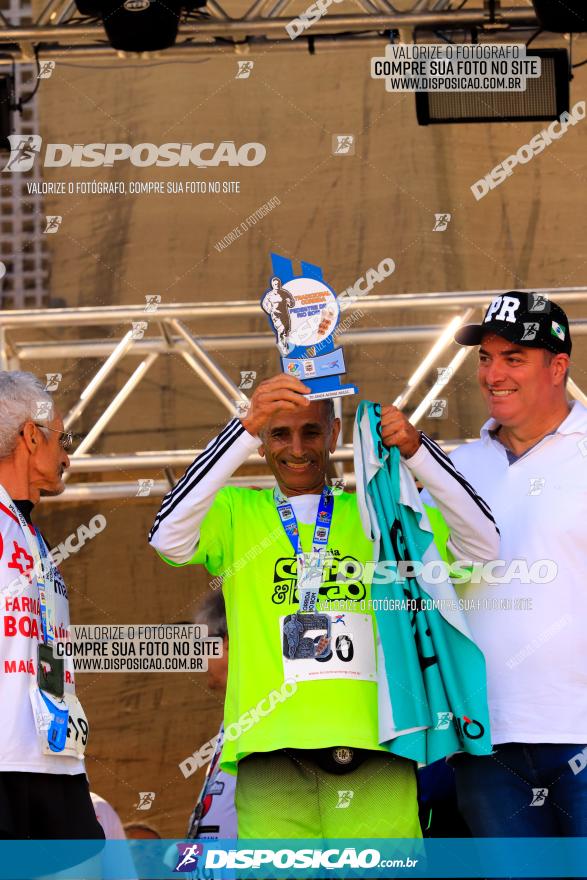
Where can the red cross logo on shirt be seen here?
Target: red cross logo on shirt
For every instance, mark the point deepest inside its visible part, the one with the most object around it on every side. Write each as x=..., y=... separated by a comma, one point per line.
x=21, y=560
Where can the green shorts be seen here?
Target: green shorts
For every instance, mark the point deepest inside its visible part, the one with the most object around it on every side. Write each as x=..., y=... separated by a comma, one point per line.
x=282, y=795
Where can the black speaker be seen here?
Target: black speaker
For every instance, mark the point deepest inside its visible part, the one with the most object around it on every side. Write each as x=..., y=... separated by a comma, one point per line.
x=89, y=7
x=139, y=25
x=561, y=16
x=545, y=98
x=142, y=25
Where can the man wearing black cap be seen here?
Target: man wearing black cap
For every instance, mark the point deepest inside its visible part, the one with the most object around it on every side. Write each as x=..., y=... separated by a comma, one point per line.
x=529, y=614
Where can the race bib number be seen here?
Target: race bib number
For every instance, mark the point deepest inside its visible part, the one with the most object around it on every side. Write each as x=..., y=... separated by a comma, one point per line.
x=78, y=728
x=328, y=645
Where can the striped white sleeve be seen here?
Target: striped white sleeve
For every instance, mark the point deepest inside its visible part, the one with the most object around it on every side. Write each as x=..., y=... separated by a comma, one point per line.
x=474, y=534
x=176, y=530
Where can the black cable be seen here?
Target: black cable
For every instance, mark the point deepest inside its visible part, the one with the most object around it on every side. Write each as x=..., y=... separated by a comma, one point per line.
x=443, y=37
x=534, y=35
x=570, y=59
x=21, y=101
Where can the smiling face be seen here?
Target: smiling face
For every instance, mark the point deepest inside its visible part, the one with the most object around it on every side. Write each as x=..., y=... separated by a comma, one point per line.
x=297, y=446
x=522, y=385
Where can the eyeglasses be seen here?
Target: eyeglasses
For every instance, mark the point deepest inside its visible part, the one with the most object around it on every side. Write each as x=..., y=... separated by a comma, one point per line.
x=66, y=439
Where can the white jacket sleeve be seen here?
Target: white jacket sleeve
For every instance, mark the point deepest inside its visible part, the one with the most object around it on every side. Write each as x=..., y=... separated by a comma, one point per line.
x=176, y=530
x=474, y=534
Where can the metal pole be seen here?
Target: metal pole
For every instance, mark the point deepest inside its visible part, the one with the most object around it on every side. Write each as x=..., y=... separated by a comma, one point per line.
x=216, y=8
x=240, y=27
x=182, y=51
x=98, y=379
x=277, y=8
x=206, y=361
x=49, y=13
x=229, y=403
x=454, y=365
x=3, y=349
x=157, y=460
x=128, y=489
x=442, y=343
x=33, y=351
x=370, y=7
x=385, y=4
x=115, y=404
x=256, y=8
x=67, y=9
x=250, y=308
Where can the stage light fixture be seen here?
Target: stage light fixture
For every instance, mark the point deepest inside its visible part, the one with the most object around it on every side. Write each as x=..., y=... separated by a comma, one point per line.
x=139, y=25
x=562, y=16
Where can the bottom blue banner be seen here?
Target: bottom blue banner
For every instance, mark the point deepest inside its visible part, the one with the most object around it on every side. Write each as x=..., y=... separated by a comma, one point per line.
x=232, y=860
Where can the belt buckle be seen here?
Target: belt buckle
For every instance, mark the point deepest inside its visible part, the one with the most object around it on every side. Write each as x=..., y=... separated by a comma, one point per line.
x=343, y=755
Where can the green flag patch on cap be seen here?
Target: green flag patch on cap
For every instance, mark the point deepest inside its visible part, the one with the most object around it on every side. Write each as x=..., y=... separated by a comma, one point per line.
x=557, y=331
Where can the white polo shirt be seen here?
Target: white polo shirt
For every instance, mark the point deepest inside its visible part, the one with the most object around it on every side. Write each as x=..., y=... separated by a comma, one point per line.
x=537, y=656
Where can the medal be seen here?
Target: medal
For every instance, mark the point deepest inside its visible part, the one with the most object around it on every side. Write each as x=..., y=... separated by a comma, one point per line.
x=310, y=566
x=306, y=636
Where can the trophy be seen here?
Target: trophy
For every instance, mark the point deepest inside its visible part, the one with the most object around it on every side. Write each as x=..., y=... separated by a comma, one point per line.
x=304, y=313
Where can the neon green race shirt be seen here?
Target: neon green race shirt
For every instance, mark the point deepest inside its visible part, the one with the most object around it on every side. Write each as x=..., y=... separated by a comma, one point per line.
x=242, y=540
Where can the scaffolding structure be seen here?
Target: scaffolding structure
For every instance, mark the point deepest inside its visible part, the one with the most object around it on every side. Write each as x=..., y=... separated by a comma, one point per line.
x=61, y=32
x=174, y=336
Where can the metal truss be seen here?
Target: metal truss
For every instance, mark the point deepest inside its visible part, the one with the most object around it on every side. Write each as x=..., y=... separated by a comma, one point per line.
x=61, y=32
x=171, y=335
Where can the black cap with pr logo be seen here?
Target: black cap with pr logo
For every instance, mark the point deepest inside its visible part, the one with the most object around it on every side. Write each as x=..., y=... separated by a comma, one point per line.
x=526, y=318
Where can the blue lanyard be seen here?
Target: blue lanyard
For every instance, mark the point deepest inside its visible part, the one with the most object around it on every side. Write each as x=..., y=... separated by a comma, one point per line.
x=47, y=628
x=290, y=523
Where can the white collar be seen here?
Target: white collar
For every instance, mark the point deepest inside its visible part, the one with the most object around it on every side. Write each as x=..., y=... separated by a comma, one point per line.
x=575, y=423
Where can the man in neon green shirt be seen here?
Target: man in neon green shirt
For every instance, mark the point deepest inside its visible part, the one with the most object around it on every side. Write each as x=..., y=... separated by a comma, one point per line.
x=301, y=711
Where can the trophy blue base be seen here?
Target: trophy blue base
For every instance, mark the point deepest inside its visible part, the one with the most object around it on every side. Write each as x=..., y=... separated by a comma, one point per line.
x=320, y=374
